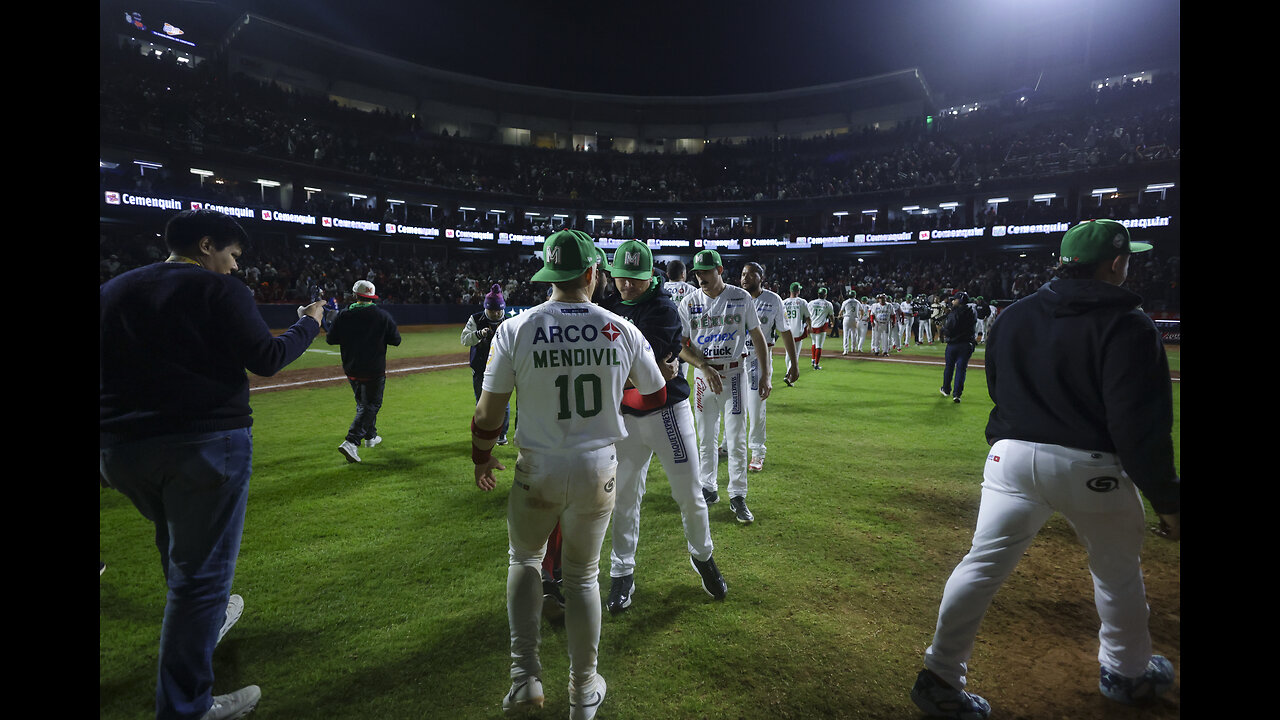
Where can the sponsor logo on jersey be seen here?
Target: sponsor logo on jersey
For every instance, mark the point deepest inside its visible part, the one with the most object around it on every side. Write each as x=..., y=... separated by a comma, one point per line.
x=716, y=337
x=565, y=333
x=1103, y=484
x=610, y=331
x=993, y=458
x=573, y=311
x=695, y=309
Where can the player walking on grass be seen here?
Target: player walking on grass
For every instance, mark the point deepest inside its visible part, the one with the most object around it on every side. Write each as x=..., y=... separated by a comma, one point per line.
x=569, y=360
x=364, y=331
x=667, y=431
x=1082, y=422
x=716, y=320
x=821, y=314
x=772, y=319
x=881, y=318
x=796, y=311
x=848, y=316
x=175, y=339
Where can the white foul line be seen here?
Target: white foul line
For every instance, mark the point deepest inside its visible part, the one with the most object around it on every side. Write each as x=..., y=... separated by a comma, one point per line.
x=344, y=377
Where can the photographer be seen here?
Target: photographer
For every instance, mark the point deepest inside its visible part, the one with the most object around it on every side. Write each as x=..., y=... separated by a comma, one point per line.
x=478, y=334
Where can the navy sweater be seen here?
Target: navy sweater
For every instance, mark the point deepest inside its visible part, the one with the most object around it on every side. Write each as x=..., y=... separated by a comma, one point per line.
x=174, y=342
x=1078, y=364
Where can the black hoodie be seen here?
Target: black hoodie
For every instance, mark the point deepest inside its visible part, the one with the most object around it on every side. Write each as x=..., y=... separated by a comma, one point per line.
x=1078, y=364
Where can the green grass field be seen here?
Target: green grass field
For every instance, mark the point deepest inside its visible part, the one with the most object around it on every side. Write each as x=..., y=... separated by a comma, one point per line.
x=377, y=590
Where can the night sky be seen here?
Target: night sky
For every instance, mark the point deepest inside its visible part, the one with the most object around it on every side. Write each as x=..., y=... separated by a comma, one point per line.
x=694, y=47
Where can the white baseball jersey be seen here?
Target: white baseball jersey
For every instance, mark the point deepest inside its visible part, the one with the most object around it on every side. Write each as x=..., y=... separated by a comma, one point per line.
x=906, y=309
x=849, y=309
x=571, y=361
x=796, y=312
x=719, y=327
x=679, y=290
x=772, y=317
x=821, y=312
x=881, y=312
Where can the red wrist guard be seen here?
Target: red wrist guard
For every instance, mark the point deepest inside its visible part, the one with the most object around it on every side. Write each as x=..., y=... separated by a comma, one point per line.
x=480, y=457
x=484, y=434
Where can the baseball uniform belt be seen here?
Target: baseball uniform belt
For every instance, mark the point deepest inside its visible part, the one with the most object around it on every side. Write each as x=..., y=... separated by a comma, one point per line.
x=730, y=366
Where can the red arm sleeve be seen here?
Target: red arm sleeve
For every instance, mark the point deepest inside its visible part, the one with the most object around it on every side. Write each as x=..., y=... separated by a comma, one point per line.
x=632, y=398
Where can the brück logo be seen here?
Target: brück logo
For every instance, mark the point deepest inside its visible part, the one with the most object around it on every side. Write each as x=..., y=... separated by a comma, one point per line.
x=1102, y=484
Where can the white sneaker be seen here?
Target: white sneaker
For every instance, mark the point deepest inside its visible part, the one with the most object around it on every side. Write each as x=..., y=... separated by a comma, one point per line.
x=235, y=608
x=233, y=705
x=756, y=464
x=585, y=707
x=525, y=695
x=373, y=441
x=348, y=449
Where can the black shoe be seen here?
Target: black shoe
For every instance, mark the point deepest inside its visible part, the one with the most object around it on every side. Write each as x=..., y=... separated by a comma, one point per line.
x=552, y=598
x=956, y=399
x=711, y=496
x=944, y=392
x=502, y=440
x=712, y=581
x=739, y=506
x=620, y=591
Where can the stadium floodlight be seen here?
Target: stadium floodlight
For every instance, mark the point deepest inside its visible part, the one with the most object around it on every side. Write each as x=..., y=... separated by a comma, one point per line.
x=649, y=219
x=1159, y=186
x=201, y=173
x=147, y=165
x=357, y=196
x=267, y=183
x=949, y=205
x=841, y=213
x=1103, y=191
x=870, y=212
x=909, y=208
x=531, y=214
x=680, y=219
x=595, y=217
x=311, y=189
x=498, y=211
x=394, y=202
x=560, y=215
x=466, y=208
x=621, y=218
x=1044, y=196
x=997, y=201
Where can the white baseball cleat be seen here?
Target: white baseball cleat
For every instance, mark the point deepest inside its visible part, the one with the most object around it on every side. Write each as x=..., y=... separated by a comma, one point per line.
x=584, y=706
x=756, y=464
x=524, y=696
x=370, y=442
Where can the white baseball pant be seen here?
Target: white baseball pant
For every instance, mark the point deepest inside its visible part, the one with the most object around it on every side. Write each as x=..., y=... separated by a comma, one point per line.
x=575, y=489
x=880, y=338
x=862, y=334
x=847, y=337
x=924, y=328
x=669, y=434
x=755, y=405
x=707, y=407
x=1023, y=484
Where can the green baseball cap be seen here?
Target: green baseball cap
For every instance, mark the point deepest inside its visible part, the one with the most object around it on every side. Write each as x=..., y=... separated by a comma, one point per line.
x=633, y=259
x=822, y=291
x=796, y=286
x=566, y=254
x=706, y=260
x=1097, y=240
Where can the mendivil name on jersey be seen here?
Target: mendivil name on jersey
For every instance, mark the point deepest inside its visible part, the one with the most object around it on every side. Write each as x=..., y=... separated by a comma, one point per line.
x=575, y=357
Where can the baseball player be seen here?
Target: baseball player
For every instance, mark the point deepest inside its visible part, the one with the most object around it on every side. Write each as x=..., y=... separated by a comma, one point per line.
x=882, y=319
x=937, y=312
x=675, y=283
x=848, y=317
x=821, y=314
x=666, y=431
x=796, y=311
x=920, y=311
x=1082, y=422
x=905, y=321
x=772, y=318
x=716, y=320
x=568, y=359
x=864, y=321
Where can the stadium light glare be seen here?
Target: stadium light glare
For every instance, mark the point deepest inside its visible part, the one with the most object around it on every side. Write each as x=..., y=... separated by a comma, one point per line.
x=870, y=212
x=841, y=212
x=358, y=196
x=147, y=165
x=311, y=189
x=997, y=201
x=909, y=208
x=595, y=217
x=949, y=205
x=1044, y=196
x=267, y=183
x=201, y=173
x=466, y=208
x=559, y=215
x=1159, y=186
x=394, y=202
x=1103, y=191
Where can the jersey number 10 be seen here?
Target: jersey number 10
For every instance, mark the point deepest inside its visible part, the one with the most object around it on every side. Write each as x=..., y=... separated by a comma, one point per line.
x=579, y=395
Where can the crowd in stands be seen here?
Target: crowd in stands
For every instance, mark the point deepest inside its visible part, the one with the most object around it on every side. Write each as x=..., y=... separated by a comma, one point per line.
x=200, y=106
x=294, y=277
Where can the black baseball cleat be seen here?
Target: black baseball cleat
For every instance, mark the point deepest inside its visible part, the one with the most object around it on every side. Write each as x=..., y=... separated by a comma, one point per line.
x=712, y=581
x=620, y=592
x=739, y=507
x=711, y=496
x=552, y=598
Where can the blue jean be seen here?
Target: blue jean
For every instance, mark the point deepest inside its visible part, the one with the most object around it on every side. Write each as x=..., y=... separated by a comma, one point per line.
x=368, y=402
x=958, y=355
x=193, y=488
